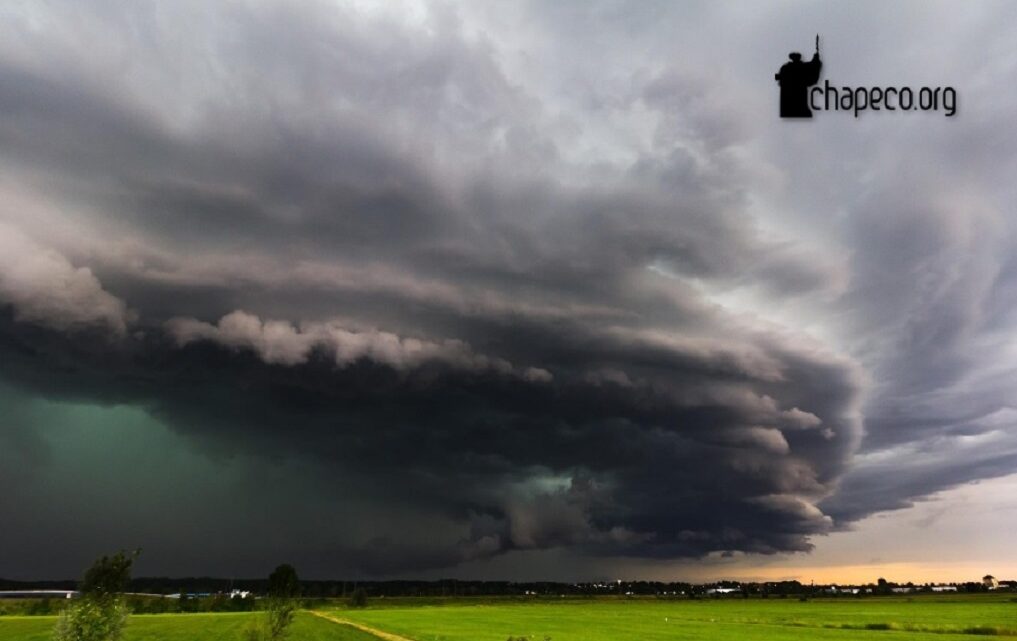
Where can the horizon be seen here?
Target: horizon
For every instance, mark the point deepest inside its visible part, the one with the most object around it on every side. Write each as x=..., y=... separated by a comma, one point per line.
x=575, y=583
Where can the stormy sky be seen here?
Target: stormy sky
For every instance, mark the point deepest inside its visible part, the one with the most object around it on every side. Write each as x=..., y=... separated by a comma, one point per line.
x=502, y=289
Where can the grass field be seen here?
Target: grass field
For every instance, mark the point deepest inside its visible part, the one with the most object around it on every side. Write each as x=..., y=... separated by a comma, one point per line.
x=923, y=618
x=187, y=627
x=890, y=619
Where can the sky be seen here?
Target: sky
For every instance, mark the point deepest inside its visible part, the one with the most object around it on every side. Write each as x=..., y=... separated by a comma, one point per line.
x=505, y=290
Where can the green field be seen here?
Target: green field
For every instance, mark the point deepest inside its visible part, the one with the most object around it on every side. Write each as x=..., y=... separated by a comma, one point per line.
x=922, y=618
x=927, y=618
x=187, y=627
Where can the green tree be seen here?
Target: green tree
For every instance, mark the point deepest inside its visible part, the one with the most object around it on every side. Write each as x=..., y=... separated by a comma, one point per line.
x=283, y=582
x=100, y=613
x=281, y=606
x=109, y=575
x=283, y=590
x=882, y=587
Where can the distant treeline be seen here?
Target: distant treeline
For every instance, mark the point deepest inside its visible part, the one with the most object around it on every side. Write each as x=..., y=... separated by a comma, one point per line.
x=136, y=605
x=203, y=588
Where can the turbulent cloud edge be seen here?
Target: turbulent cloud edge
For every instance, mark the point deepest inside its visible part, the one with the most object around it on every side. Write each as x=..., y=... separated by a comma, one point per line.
x=281, y=343
x=45, y=288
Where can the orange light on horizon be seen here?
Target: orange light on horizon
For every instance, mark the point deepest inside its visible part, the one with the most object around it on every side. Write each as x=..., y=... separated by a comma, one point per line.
x=918, y=573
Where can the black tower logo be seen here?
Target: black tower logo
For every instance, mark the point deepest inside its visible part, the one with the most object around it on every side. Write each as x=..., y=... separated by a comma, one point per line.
x=795, y=78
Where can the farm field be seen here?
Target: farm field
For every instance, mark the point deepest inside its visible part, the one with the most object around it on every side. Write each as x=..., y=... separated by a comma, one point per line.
x=923, y=618
x=186, y=627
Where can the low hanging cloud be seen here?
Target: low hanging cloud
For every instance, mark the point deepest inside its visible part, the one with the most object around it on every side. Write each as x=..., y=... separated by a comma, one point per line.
x=535, y=455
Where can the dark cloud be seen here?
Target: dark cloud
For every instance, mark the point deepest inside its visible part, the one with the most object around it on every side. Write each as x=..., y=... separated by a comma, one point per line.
x=516, y=306
x=532, y=458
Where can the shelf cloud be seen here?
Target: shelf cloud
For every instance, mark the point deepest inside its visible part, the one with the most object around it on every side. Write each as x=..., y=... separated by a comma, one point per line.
x=518, y=297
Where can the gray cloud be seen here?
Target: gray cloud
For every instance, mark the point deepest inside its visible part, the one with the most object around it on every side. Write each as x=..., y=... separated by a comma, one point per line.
x=46, y=289
x=534, y=287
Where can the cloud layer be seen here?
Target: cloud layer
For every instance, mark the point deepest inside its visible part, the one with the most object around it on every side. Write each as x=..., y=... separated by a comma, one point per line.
x=544, y=299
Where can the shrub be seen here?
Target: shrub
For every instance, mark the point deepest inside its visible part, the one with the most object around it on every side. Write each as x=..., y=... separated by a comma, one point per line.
x=280, y=616
x=92, y=619
x=100, y=613
x=982, y=630
x=252, y=631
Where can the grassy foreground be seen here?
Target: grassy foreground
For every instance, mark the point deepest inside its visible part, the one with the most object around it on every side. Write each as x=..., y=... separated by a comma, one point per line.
x=924, y=618
x=889, y=619
x=187, y=627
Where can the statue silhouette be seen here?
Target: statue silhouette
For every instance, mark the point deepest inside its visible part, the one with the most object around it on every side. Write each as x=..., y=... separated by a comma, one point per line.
x=795, y=78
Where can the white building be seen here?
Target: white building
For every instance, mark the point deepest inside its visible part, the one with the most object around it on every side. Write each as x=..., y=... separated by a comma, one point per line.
x=723, y=590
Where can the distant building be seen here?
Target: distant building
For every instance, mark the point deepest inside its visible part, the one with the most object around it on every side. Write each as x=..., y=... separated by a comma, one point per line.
x=42, y=594
x=990, y=582
x=841, y=589
x=944, y=588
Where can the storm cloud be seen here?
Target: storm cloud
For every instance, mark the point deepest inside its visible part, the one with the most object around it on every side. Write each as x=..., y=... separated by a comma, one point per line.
x=517, y=296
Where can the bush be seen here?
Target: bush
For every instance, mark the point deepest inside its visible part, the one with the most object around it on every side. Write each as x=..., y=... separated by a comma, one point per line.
x=252, y=631
x=280, y=616
x=92, y=619
x=982, y=630
x=100, y=613
x=275, y=625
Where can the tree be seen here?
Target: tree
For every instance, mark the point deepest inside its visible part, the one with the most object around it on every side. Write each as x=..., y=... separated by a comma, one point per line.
x=283, y=582
x=100, y=613
x=283, y=590
x=882, y=587
x=109, y=575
